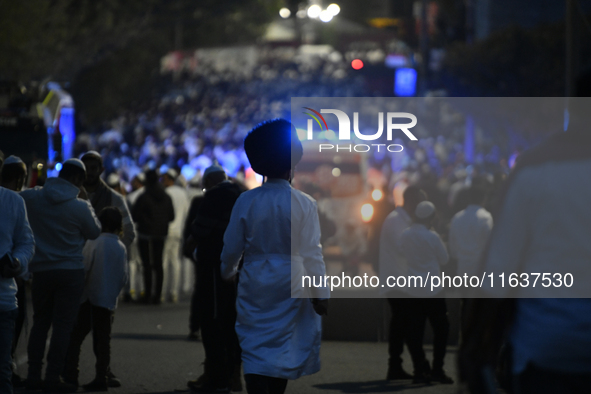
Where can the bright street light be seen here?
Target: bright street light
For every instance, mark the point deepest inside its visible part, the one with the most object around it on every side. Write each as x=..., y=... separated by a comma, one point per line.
x=284, y=13
x=366, y=212
x=325, y=16
x=314, y=11
x=334, y=9
x=377, y=195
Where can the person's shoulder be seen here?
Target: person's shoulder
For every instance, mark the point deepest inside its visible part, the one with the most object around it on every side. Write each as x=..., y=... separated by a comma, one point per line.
x=307, y=202
x=115, y=195
x=300, y=195
x=458, y=217
x=30, y=192
x=120, y=246
x=432, y=234
x=249, y=195
x=142, y=196
x=176, y=190
x=482, y=213
x=79, y=203
x=393, y=215
x=223, y=189
x=110, y=241
x=408, y=232
x=92, y=244
x=9, y=196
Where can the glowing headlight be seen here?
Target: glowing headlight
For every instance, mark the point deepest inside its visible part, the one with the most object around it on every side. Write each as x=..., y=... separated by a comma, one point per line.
x=366, y=212
x=377, y=195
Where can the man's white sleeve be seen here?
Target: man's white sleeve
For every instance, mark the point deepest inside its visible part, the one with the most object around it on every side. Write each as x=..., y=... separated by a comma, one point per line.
x=311, y=251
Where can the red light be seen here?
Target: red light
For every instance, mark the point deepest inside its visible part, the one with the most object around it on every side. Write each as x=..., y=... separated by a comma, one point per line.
x=357, y=64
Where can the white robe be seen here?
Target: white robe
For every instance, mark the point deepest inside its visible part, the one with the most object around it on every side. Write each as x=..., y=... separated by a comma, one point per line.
x=274, y=226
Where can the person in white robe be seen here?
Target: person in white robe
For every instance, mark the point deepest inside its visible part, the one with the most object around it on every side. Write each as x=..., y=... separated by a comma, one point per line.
x=275, y=229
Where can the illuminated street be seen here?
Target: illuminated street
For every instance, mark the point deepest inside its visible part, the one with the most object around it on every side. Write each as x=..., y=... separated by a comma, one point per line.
x=150, y=354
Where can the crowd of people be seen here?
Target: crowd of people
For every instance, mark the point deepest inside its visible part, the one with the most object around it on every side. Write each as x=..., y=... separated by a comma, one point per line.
x=78, y=261
x=123, y=208
x=246, y=251
x=202, y=117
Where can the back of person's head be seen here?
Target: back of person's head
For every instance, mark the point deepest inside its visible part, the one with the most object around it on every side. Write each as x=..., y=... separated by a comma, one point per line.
x=425, y=213
x=151, y=178
x=111, y=220
x=412, y=196
x=13, y=173
x=213, y=175
x=477, y=194
x=92, y=155
x=273, y=148
x=73, y=171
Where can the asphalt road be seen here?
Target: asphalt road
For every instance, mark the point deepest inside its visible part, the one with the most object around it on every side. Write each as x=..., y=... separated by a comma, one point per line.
x=150, y=354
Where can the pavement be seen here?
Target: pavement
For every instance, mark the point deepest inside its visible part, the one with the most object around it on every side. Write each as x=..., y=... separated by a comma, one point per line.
x=150, y=354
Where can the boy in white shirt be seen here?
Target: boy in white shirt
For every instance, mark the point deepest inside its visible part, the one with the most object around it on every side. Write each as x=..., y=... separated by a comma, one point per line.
x=105, y=262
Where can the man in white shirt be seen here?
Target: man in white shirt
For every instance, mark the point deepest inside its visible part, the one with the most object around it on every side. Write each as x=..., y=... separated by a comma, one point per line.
x=277, y=230
x=425, y=254
x=468, y=236
x=134, y=287
x=393, y=263
x=172, y=246
x=469, y=232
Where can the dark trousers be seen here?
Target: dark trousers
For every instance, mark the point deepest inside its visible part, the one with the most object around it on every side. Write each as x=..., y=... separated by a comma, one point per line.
x=7, y=323
x=21, y=299
x=151, y=252
x=259, y=384
x=217, y=313
x=99, y=320
x=56, y=296
x=396, y=337
x=536, y=380
x=417, y=311
x=194, y=324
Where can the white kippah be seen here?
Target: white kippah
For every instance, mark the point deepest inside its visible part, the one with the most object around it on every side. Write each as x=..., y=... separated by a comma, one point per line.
x=113, y=179
x=425, y=209
x=172, y=173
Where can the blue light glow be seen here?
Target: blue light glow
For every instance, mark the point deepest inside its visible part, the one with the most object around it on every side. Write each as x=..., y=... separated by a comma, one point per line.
x=405, y=82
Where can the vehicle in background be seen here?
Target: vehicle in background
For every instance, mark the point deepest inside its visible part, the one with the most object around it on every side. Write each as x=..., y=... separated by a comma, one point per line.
x=37, y=124
x=337, y=180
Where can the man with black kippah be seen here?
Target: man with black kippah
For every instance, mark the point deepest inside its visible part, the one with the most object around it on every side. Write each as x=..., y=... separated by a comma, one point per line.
x=153, y=211
x=215, y=298
x=277, y=230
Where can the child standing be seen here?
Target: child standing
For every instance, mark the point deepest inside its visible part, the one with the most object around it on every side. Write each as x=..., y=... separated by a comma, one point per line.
x=106, y=267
